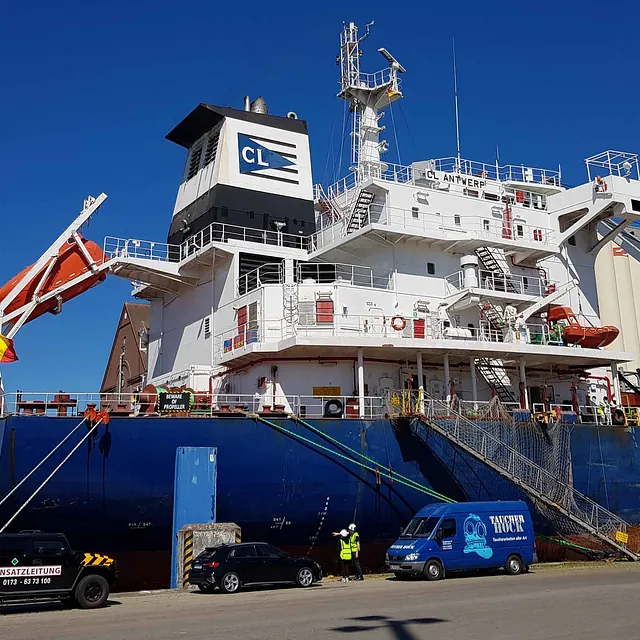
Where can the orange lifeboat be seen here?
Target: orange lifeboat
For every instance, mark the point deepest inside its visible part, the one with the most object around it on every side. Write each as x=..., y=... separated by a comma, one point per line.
x=70, y=264
x=586, y=336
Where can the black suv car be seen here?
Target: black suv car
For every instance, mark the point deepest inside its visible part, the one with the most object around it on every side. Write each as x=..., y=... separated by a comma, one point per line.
x=42, y=566
x=232, y=566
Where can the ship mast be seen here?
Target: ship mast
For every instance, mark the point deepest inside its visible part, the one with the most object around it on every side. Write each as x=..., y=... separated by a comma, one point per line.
x=368, y=94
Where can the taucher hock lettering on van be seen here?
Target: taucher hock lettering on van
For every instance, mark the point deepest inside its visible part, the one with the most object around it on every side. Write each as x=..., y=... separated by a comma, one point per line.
x=507, y=524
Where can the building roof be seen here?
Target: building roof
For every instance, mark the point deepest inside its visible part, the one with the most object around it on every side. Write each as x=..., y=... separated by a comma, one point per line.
x=206, y=116
x=134, y=315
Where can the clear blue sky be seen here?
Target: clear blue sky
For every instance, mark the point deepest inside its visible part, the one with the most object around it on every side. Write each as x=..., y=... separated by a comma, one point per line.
x=89, y=90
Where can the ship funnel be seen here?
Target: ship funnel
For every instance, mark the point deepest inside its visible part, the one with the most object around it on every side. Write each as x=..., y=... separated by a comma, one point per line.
x=259, y=106
x=247, y=103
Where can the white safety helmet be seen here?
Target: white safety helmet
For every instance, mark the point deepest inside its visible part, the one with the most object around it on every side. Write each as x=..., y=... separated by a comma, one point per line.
x=344, y=533
x=352, y=527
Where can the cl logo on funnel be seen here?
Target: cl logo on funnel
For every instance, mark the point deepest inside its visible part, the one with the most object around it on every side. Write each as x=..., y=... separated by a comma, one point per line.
x=475, y=537
x=255, y=157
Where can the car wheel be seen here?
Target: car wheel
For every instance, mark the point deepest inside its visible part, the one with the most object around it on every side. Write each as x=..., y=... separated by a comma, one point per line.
x=206, y=588
x=92, y=592
x=304, y=577
x=514, y=565
x=433, y=570
x=230, y=582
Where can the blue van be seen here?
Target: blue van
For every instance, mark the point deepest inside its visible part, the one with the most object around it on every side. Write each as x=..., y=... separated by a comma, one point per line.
x=464, y=536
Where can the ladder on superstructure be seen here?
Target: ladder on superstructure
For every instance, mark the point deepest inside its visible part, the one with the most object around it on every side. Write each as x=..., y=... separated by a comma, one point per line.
x=290, y=296
x=494, y=374
x=538, y=483
x=360, y=213
x=494, y=261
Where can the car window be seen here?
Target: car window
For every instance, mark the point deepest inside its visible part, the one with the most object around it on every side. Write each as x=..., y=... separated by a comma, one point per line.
x=49, y=548
x=267, y=551
x=448, y=528
x=248, y=551
x=14, y=547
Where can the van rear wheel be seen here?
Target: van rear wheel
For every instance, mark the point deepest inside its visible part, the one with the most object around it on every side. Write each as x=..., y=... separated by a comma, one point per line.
x=433, y=570
x=514, y=565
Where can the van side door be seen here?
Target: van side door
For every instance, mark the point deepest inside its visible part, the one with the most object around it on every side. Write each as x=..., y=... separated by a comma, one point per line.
x=448, y=539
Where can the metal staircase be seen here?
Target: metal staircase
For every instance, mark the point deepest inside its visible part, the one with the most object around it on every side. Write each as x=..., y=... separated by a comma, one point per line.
x=496, y=377
x=543, y=487
x=360, y=214
x=494, y=260
x=327, y=205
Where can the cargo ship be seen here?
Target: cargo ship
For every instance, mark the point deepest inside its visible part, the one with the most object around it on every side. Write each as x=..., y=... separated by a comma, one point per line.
x=352, y=351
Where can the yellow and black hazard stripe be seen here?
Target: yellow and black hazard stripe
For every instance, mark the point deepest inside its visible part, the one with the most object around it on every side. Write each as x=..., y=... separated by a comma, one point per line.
x=96, y=560
x=187, y=557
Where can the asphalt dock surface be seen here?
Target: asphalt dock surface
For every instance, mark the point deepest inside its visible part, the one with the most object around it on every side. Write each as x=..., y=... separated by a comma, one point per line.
x=559, y=603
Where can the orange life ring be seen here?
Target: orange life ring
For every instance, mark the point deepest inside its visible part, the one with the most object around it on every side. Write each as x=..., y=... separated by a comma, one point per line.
x=398, y=323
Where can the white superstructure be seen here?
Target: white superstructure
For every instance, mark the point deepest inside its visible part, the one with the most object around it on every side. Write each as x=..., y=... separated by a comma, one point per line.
x=437, y=274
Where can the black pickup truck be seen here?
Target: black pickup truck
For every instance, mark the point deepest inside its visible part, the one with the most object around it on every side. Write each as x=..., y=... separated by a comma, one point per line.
x=42, y=566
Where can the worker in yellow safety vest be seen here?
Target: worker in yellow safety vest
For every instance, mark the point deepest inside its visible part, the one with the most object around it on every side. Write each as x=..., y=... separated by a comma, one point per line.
x=354, y=537
x=345, y=554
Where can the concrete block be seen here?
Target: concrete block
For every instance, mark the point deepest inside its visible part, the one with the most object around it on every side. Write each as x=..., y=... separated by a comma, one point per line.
x=194, y=538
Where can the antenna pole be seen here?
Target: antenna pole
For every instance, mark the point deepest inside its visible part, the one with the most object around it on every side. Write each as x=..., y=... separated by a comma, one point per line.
x=455, y=95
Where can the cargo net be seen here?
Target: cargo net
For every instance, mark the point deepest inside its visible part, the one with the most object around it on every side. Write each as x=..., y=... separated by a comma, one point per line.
x=536, y=457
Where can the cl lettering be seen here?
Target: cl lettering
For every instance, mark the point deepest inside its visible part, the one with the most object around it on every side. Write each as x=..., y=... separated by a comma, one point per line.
x=250, y=156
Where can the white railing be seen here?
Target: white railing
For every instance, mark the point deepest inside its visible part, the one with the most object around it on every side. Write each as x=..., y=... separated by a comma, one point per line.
x=315, y=273
x=131, y=248
x=504, y=173
x=456, y=226
x=504, y=283
x=270, y=273
x=474, y=408
x=463, y=225
x=62, y=405
x=374, y=80
x=481, y=170
x=221, y=232
x=338, y=273
x=236, y=340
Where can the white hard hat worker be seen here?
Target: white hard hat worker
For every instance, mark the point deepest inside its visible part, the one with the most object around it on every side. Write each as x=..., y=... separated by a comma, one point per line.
x=354, y=541
x=345, y=554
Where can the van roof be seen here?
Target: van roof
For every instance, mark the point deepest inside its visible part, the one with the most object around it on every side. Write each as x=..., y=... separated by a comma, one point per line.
x=439, y=509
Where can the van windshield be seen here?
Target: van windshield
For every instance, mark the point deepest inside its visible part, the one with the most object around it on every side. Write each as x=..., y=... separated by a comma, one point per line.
x=420, y=528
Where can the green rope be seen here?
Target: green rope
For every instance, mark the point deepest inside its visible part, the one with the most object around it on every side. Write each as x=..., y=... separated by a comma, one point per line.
x=408, y=482
x=565, y=543
x=433, y=493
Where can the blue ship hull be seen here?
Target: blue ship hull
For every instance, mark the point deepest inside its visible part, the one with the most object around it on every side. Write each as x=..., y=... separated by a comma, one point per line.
x=116, y=493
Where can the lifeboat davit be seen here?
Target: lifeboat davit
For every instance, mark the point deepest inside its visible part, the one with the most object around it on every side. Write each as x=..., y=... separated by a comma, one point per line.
x=586, y=336
x=70, y=264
